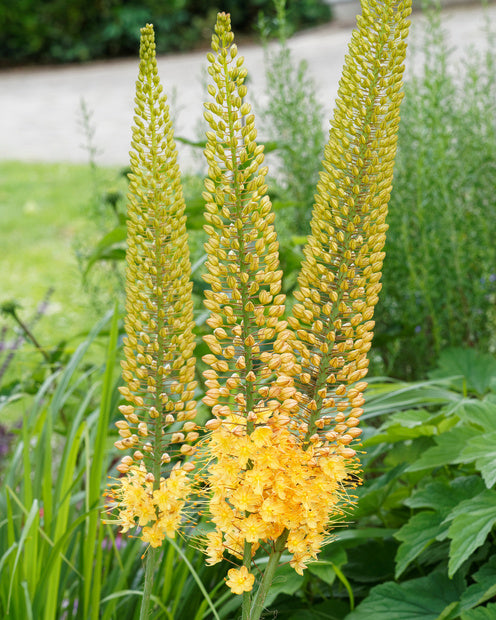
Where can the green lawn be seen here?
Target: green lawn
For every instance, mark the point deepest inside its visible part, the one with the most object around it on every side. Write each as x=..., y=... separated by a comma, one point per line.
x=45, y=213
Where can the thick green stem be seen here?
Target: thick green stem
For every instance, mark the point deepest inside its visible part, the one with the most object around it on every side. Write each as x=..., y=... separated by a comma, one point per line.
x=246, y=595
x=268, y=576
x=151, y=560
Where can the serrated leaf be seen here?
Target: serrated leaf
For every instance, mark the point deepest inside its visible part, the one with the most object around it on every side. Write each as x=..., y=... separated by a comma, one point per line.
x=472, y=520
x=477, y=369
x=484, y=588
x=480, y=413
x=480, y=613
x=443, y=497
x=418, y=599
x=416, y=535
x=482, y=450
x=447, y=450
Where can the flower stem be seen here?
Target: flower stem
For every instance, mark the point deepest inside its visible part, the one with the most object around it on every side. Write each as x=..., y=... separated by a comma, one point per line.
x=151, y=560
x=246, y=595
x=268, y=576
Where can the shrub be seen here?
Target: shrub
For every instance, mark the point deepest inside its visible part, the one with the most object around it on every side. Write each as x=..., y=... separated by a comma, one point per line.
x=58, y=31
x=440, y=279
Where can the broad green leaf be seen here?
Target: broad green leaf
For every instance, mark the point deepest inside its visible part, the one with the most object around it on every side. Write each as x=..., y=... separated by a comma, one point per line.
x=286, y=581
x=443, y=497
x=416, y=535
x=371, y=562
x=482, y=449
x=403, y=426
x=477, y=370
x=447, y=450
x=391, y=397
x=418, y=599
x=472, y=520
x=484, y=588
x=325, y=565
x=481, y=413
x=480, y=613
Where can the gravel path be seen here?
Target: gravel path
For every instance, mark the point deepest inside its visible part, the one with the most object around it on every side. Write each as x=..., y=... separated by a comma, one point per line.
x=40, y=108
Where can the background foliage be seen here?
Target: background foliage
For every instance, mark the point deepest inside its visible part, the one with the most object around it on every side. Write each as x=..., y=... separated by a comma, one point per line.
x=80, y=30
x=439, y=280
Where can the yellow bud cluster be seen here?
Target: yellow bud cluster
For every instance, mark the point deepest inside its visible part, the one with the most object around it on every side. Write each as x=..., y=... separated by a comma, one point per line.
x=245, y=297
x=340, y=277
x=159, y=366
x=287, y=396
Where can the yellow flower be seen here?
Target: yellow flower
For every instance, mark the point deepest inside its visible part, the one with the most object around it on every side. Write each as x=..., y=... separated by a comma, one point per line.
x=240, y=580
x=153, y=535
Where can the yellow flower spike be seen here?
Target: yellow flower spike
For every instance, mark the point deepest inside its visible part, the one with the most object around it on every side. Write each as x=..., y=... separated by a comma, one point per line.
x=340, y=276
x=158, y=368
x=243, y=264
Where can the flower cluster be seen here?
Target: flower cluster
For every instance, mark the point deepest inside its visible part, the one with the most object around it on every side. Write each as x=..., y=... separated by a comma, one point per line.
x=264, y=484
x=287, y=396
x=158, y=511
x=159, y=366
x=339, y=280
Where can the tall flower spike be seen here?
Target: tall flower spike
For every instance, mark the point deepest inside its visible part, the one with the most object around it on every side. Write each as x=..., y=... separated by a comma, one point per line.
x=249, y=382
x=158, y=425
x=340, y=276
x=266, y=488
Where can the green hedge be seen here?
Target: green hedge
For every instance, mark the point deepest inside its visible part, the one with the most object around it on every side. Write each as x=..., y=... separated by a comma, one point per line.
x=78, y=30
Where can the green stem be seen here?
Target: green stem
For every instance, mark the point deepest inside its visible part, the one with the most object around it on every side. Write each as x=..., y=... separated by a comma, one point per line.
x=151, y=560
x=30, y=335
x=246, y=595
x=268, y=576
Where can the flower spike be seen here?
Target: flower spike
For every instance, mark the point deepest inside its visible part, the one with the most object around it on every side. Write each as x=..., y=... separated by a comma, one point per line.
x=340, y=276
x=159, y=365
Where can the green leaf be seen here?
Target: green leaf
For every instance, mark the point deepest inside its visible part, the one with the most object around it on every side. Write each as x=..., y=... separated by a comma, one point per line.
x=365, y=532
x=472, y=520
x=402, y=426
x=480, y=613
x=385, y=398
x=332, y=609
x=416, y=535
x=482, y=449
x=481, y=413
x=477, y=369
x=372, y=562
x=447, y=450
x=423, y=599
x=443, y=497
x=108, y=248
x=286, y=581
x=324, y=567
x=484, y=588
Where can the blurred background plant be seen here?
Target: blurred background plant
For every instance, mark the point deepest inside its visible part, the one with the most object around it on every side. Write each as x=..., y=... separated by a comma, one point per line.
x=440, y=277
x=82, y=30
